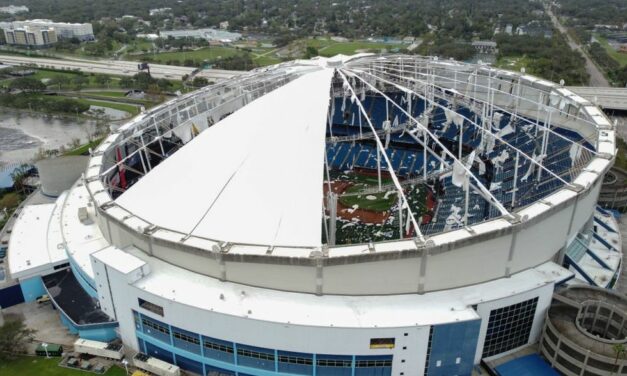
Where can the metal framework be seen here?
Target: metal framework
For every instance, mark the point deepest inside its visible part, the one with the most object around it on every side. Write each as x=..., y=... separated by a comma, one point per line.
x=479, y=88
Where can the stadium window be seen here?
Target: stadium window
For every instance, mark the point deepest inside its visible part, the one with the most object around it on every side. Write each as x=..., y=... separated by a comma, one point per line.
x=338, y=363
x=186, y=338
x=153, y=325
x=295, y=360
x=218, y=347
x=150, y=306
x=509, y=327
x=255, y=354
x=382, y=343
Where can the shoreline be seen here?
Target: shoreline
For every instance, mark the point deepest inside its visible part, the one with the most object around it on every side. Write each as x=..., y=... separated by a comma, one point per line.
x=53, y=131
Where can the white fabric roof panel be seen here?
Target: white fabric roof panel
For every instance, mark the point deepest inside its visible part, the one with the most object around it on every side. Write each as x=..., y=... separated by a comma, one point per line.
x=255, y=177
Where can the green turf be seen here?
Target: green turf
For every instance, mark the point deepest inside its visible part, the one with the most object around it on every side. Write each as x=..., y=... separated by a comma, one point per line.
x=621, y=58
x=379, y=204
x=40, y=366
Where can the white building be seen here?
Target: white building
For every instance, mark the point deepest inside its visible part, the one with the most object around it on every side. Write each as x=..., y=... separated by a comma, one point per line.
x=82, y=31
x=206, y=34
x=14, y=9
x=30, y=37
x=210, y=232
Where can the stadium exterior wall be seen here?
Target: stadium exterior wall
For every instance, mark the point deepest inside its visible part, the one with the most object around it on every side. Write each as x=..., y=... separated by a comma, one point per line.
x=409, y=354
x=532, y=242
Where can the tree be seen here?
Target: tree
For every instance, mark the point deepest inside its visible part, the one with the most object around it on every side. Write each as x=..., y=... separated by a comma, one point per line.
x=126, y=82
x=60, y=80
x=13, y=337
x=27, y=84
x=18, y=176
x=311, y=52
x=200, y=82
x=80, y=81
x=103, y=79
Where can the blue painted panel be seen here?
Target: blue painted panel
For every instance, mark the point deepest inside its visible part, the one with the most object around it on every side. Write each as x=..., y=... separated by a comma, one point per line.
x=32, y=288
x=216, y=371
x=454, y=346
x=189, y=365
x=11, y=296
x=68, y=324
x=86, y=283
x=529, y=365
x=141, y=345
x=159, y=353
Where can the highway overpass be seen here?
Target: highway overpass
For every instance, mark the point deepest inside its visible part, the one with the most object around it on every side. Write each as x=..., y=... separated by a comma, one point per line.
x=609, y=98
x=114, y=67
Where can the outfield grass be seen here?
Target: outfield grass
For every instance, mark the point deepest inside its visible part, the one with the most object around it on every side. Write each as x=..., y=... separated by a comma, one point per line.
x=377, y=202
x=209, y=53
x=40, y=366
x=621, y=58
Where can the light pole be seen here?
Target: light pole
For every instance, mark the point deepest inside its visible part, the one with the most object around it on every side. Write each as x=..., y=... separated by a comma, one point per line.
x=45, y=346
x=125, y=363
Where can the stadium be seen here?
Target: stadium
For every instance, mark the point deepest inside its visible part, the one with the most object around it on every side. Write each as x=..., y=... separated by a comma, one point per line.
x=370, y=215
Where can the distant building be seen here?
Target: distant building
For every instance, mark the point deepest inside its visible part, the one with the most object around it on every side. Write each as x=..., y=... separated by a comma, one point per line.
x=14, y=9
x=211, y=35
x=508, y=29
x=485, y=47
x=156, y=11
x=224, y=25
x=82, y=31
x=30, y=37
x=148, y=36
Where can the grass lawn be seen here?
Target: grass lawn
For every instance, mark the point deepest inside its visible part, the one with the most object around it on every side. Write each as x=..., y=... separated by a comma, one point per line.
x=514, y=63
x=9, y=200
x=620, y=57
x=114, y=94
x=264, y=60
x=209, y=53
x=116, y=106
x=83, y=149
x=40, y=366
x=92, y=84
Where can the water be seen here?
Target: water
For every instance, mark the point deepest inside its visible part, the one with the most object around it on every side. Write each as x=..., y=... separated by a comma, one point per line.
x=22, y=136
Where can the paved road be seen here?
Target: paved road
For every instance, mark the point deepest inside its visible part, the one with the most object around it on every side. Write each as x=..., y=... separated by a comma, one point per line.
x=596, y=76
x=611, y=98
x=116, y=67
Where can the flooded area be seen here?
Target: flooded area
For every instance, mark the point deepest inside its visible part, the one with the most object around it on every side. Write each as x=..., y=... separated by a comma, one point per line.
x=23, y=135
